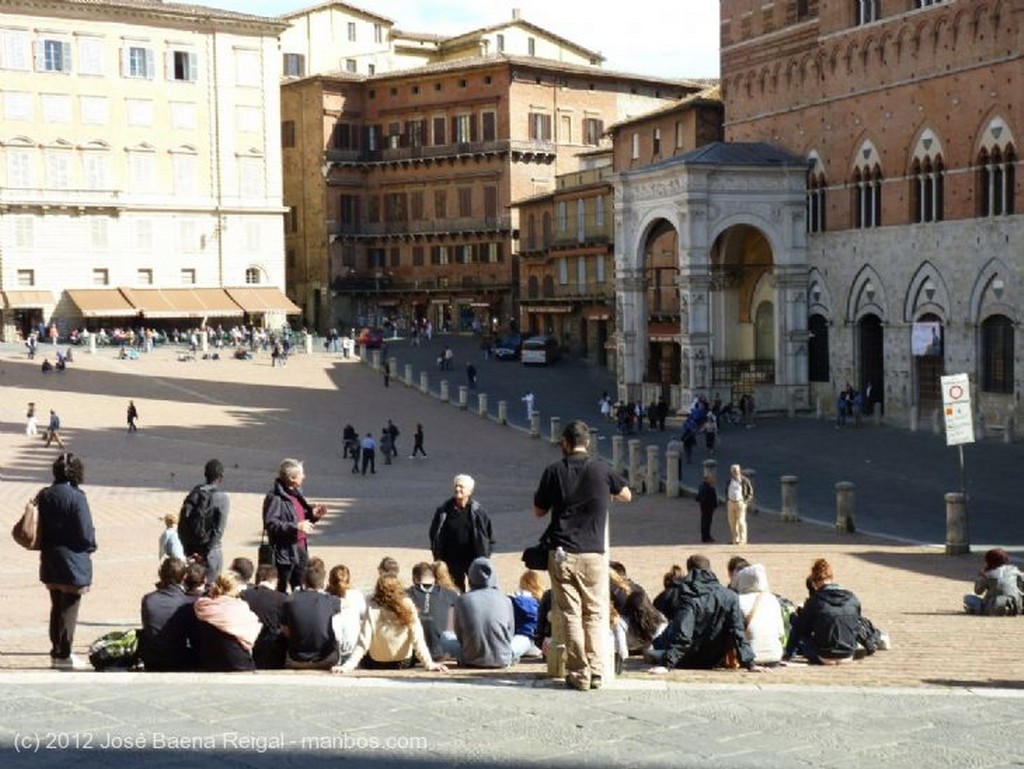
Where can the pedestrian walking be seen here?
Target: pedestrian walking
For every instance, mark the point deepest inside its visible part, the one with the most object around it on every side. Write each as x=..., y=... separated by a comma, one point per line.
x=133, y=414
x=386, y=447
x=471, y=376
x=575, y=491
x=31, y=426
x=386, y=371
x=53, y=430
x=417, y=439
x=530, y=400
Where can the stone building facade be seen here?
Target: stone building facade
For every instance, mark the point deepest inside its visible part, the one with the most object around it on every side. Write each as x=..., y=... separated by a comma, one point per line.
x=140, y=153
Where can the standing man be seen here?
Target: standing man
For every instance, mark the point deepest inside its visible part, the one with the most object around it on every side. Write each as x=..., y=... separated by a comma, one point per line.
x=133, y=414
x=369, y=448
x=460, y=531
x=529, y=400
x=203, y=519
x=740, y=492
x=575, y=490
x=288, y=519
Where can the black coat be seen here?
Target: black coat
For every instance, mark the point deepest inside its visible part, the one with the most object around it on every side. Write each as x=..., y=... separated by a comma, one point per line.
x=705, y=621
x=66, y=536
x=168, y=640
x=483, y=538
x=829, y=619
x=281, y=525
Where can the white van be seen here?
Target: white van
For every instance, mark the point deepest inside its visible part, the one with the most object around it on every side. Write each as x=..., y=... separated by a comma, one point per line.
x=541, y=350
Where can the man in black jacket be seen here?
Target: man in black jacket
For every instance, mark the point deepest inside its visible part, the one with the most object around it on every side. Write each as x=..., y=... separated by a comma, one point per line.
x=168, y=640
x=460, y=531
x=266, y=601
x=705, y=622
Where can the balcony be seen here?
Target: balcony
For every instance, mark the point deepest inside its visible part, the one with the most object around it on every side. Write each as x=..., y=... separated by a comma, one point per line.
x=584, y=178
x=427, y=228
x=35, y=197
x=356, y=283
x=520, y=150
x=590, y=235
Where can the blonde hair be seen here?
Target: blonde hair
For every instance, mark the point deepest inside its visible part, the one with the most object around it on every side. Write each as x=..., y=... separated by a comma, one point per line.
x=228, y=583
x=530, y=582
x=443, y=576
x=171, y=519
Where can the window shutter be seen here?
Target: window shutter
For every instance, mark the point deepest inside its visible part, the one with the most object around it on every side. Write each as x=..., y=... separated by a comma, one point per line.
x=193, y=67
x=65, y=49
x=150, y=64
x=455, y=130
x=124, y=61
x=169, y=65
x=472, y=128
x=40, y=55
x=532, y=118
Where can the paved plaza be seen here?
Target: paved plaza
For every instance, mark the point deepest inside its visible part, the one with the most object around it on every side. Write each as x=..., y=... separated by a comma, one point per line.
x=947, y=694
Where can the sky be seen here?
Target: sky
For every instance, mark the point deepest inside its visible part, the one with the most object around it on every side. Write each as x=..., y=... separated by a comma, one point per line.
x=663, y=38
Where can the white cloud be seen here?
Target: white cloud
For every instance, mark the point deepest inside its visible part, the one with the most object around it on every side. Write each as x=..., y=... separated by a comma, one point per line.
x=665, y=38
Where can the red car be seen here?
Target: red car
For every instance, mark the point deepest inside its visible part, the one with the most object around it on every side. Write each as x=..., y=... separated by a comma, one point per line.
x=370, y=338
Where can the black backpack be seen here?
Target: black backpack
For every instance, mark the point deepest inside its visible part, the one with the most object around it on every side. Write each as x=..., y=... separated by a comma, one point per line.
x=196, y=523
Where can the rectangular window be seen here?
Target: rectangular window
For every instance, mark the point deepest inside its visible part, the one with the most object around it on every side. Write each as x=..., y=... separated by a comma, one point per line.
x=142, y=234
x=56, y=107
x=14, y=48
x=440, y=204
x=439, y=255
x=188, y=276
x=17, y=105
x=139, y=63
x=99, y=232
x=188, y=236
x=288, y=133
x=53, y=56
x=349, y=211
x=351, y=31
x=142, y=171
x=90, y=56
x=20, y=169
x=184, y=169
x=540, y=126
x=294, y=65
x=373, y=209
x=394, y=208
x=250, y=119
x=183, y=115
x=396, y=257
x=144, y=276
x=394, y=135
x=581, y=220
x=94, y=110
x=501, y=43
x=96, y=170
x=464, y=254
x=251, y=177
x=350, y=65
x=680, y=134
x=378, y=33
x=599, y=268
x=563, y=271
x=248, y=68
x=592, y=130
x=24, y=231
x=656, y=142
x=341, y=137
x=465, y=202
x=562, y=216
x=462, y=129
x=599, y=211
x=417, y=256
x=26, y=278
x=100, y=276
x=140, y=112
x=58, y=169
x=493, y=253
x=416, y=132
x=531, y=46
x=491, y=203
x=416, y=205
x=489, y=121
x=635, y=147
x=581, y=273
x=182, y=66
x=439, y=137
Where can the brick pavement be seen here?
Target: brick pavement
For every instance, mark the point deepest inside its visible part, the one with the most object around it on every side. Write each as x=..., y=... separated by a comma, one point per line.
x=251, y=415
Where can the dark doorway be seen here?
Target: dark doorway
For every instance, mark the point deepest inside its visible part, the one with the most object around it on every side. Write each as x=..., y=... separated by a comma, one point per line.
x=872, y=358
x=928, y=369
x=817, y=349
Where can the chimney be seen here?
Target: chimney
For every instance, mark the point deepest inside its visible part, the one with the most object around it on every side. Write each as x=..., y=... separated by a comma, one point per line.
x=516, y=14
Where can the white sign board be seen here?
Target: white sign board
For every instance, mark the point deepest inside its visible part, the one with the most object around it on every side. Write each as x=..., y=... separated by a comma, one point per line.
x=956, y=406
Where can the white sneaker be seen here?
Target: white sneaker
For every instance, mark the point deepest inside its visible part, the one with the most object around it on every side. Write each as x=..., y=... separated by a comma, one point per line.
x=884, y=642
x=70, y=662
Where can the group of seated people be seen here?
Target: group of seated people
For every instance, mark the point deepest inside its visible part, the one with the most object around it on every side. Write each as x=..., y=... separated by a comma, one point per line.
x=998, y=588
x=235, y=625
x=697, y=622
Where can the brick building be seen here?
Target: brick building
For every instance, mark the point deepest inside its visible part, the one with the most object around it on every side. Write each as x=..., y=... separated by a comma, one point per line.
x=399, y=184
x=905, y=115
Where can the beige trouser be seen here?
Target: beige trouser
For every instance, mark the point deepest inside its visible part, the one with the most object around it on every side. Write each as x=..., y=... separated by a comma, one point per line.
x=576, y=587
x=738, y=521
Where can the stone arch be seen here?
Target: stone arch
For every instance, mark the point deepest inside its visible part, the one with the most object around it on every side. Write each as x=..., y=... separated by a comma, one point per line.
x=763, y=80
x=19, y=141
x=792, y=68
x=927, y=145
x=870, y=45
x=994, y=133
x=884, y=46
x=927, y=292
x=647, y=225
x=819, y=297
x=915, y=38
x=806, y=69
x=988, y=297
x=939, y=28
x=900, y=41
x=867, y=296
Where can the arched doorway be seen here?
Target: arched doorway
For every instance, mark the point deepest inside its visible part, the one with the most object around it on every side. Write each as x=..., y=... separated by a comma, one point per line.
x=664, y=360
x=871, y=358
x=764, y=332
x=927, y=346
x=817, y=349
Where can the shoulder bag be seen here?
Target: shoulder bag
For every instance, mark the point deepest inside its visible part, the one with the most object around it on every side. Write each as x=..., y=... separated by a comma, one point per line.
x=26, y=528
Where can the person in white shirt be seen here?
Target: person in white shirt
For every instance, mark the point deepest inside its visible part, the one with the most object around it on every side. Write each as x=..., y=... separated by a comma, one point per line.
x=737, y=505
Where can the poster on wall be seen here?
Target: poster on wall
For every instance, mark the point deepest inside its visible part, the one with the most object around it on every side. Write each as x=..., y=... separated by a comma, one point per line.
x=926, y=339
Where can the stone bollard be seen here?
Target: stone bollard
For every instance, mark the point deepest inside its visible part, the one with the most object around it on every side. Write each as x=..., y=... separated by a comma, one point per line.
x=936, y=422
x=424, y=382
x=92, y=344
x=634, y=464
x=463, y=397
x=844, y=507
x=752, y=477
x=444, y=391
x=672, y=474
x=653, y=470
x=914, y=418
x=502, y=412
x=481, y=404
x=556, y=431
x=535, y=424
x=819, y=412
x=618, y=461
x=393, y=366
x=877, y=414
x=308, y=344
x=408, y=374
x=1009, y=429
x=957, y=541
x=789, y=508
x=375, y=360
x=556, y=651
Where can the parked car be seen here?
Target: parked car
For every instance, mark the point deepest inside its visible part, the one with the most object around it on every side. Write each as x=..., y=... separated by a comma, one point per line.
x=508, y=347
x=541, y=350
x=371, y=338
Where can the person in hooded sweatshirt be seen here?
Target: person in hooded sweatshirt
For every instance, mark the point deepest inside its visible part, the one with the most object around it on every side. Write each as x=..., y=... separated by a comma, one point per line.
x=998, y=588
x=705, y=622
x=762, y=614
x=485, y=622
x=826, y=627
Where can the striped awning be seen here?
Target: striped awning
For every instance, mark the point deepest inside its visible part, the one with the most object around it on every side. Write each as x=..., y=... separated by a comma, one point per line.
x=27, y=300
x=101, y=303
x=263, y=299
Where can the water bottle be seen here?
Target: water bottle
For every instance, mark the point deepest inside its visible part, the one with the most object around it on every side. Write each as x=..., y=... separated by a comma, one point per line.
x=560, y=555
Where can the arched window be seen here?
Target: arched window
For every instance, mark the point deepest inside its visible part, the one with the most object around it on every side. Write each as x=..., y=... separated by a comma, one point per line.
x=816, y=187
x=867, y=197
x=997, y=354
x=926, y=189
x=996, y=181
x=865, y=11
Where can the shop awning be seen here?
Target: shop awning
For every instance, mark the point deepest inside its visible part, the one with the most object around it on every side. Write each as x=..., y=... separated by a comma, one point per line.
x=263, y=299
x=663, y=332
x=210, y=302
x=182, y=302
x=101, y=303
x=27, y=300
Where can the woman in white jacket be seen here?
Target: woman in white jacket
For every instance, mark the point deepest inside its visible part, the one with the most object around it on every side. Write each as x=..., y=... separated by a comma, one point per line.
x=762, y=614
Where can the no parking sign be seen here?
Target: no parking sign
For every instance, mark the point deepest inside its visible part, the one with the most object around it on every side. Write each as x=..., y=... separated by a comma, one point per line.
x=956, y=406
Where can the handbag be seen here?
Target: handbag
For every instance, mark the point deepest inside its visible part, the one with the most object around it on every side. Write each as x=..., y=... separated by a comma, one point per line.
x=26, y=528
x=265, y=554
